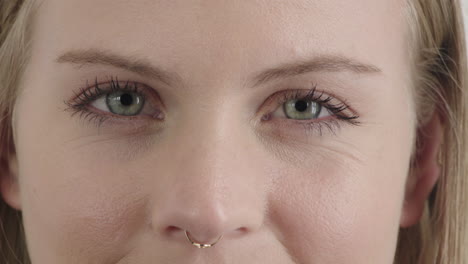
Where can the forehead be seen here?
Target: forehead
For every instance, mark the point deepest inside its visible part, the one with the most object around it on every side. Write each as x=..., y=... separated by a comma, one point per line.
x=242, y=33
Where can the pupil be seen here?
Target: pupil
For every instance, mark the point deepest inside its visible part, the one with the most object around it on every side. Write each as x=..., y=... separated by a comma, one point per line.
x=301, y=106
x=126, y=99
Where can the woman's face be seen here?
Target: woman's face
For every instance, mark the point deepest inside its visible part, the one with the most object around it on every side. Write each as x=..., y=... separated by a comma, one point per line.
x=213, y=132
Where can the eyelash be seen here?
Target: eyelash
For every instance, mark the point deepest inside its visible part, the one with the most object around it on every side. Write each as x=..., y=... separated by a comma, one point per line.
x=336, y=110
x=79, y=105
x=81, y=100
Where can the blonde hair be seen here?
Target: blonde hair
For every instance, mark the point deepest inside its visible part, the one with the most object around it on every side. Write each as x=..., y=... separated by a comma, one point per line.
x=438, y=51
x=15, y=16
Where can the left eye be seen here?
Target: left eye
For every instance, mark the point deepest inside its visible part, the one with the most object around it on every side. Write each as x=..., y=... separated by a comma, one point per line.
x=303, y=110
x=121, y=103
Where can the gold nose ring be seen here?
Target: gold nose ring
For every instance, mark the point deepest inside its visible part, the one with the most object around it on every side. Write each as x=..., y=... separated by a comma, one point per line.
x=201, y=245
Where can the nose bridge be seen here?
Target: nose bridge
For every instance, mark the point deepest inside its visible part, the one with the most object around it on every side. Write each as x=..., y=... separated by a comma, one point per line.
x=214, y=190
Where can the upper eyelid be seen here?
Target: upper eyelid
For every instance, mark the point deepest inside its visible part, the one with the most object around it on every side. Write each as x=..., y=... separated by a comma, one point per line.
x=315, y=95
x=105, y=87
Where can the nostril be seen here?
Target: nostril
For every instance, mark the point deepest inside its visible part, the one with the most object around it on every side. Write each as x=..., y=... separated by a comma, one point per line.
x=172, y=230
x=240, y=231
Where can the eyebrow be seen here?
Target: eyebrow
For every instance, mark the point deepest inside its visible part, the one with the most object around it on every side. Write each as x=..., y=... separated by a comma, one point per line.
x=321, y=63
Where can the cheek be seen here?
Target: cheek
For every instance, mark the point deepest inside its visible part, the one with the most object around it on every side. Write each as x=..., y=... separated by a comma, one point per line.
x=86, y=214
x=334, y=210
x=71, y=201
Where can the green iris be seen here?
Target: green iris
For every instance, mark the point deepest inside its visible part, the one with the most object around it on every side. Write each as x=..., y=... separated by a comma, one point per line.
x=125, y=103
x=300, y=109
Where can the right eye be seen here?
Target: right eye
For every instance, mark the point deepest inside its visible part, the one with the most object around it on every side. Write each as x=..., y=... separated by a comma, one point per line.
x=113, y=102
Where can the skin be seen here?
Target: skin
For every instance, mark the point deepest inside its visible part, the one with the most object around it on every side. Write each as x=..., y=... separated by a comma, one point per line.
x=125, y=192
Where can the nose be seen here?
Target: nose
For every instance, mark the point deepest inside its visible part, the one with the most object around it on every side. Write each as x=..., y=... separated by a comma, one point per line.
x=213, y=189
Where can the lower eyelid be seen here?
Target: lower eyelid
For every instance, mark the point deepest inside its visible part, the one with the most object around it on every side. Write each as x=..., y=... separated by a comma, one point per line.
x=291, y=122
x=130, y=123
x=295, y=129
